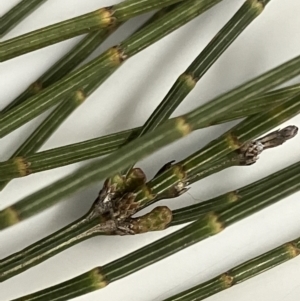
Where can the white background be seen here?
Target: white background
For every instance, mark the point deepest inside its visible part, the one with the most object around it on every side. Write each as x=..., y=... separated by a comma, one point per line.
x=126, y=100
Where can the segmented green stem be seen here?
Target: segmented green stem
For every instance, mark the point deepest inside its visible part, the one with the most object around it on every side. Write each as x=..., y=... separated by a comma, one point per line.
x=216, y=156
x=101, y=18
x=82, y=229
x=45, y=130
x=85, y=227
x=52, y=122
x=112, y=58
x=19, y=12
x=188, y=80
x=40, y=251
x=165, y=134
x=247, y=130
x=93, y=148
x=72, y=234
x=193, y=212
x=170, y=182
x=63, y=66
x=241, y=272
x=72, y=59
x=211, y=224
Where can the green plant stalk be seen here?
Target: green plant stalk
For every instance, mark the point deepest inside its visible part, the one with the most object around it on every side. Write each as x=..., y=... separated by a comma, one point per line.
x=19, y=12
x=193, y=212
x=173, y=181
x=96, y=147
x=208, y=225
x=48, y=126
x=44, y=249
x=101, y=18
x=112, y=58
x=82, y=229
x=86, y=227
x=71, y=60
x=64, y=66
x=175, y=178
x=216, y=156
x=52, y=122
x=45, y=130
x=247, y=130
x=188, y=80
x=70, y=235
x=89, y=225
x=241, y=272
x=56, y=72
x=169, y=132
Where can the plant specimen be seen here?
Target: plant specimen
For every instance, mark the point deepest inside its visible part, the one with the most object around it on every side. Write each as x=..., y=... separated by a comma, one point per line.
x=118, y=207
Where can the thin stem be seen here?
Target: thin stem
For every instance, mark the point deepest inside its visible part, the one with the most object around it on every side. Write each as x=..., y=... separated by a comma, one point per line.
x=80, y=230
x=19, y=12
x=89, y=224
x=241, y=273
x=247, y=130
x=51, y=123
x=219, y=154
x=63, y=66
x=188, y=80
x=72, y=59
x=170, y=182
x=169, y=132
x=191, y=213
x=97, y=147
x=72, y=234
x=211, y=224
x=101, y=18
x=112, y=58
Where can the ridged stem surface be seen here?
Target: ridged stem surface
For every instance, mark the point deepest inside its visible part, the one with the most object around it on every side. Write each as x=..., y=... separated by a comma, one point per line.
x=112, y=58
x=97, y=147
x=106, y=17
x=171, y=131
x=84, y=227
x=217, y=155
x=72, y=59
x=241, y=273
x=63, y=66
x=211, y=224
x=15, y=15
x=188, y=80
x=52, y=122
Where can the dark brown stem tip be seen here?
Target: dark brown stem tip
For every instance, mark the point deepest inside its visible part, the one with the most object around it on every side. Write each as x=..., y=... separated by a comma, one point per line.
x=290, y=131
x=279, y=137
x=249, y=152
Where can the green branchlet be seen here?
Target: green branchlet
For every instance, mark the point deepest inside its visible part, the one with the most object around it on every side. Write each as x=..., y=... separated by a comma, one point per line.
x=280, y=186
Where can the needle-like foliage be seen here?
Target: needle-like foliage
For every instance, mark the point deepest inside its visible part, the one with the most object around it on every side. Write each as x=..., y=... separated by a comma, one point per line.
x=126, y=190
